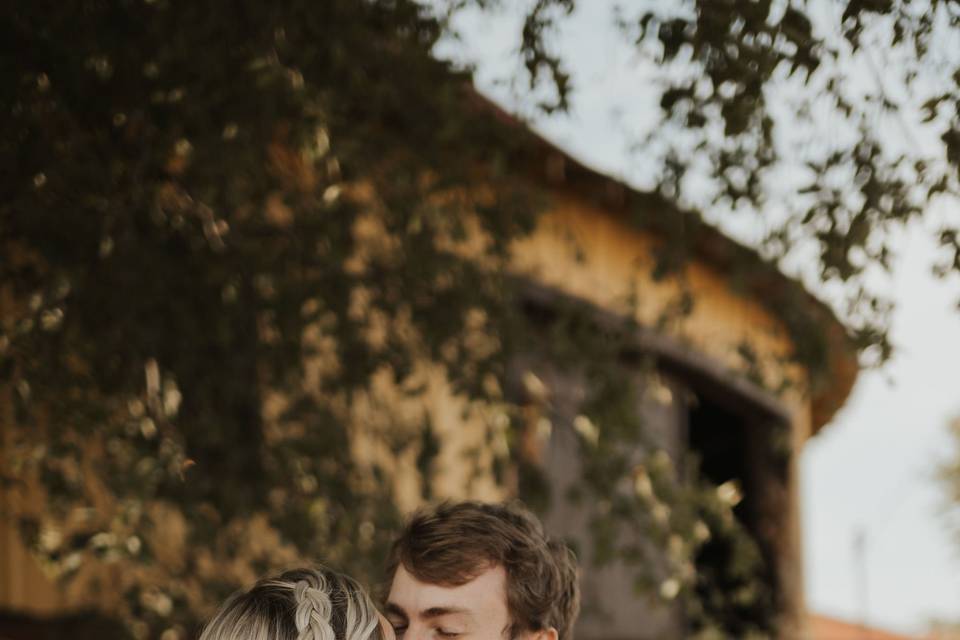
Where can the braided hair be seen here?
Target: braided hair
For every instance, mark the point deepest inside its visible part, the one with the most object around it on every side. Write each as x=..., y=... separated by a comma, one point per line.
x=301, y=604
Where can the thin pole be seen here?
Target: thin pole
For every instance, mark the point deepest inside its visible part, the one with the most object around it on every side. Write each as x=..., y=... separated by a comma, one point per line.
x=860, y=572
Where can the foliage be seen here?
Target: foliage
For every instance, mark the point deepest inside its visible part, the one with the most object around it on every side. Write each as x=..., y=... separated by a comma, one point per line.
x=227, y=225
x=648, y=507
x=220, y=224
x=831, y=126
x=948, y=475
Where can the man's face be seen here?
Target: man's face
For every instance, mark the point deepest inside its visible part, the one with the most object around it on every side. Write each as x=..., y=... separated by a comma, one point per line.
x=475, y=610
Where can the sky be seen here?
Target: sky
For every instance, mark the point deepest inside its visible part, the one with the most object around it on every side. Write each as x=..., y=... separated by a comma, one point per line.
x=871, y=469
x=870, y=472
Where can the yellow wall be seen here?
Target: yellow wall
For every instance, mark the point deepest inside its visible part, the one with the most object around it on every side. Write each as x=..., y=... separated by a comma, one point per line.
x=463, y=464
x=585, y=252
x=23, y=587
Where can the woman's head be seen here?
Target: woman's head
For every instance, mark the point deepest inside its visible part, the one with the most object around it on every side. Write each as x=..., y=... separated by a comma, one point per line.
x=302, y=604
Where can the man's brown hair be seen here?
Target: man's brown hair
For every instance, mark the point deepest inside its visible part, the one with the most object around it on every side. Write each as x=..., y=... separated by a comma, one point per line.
x=453, y=543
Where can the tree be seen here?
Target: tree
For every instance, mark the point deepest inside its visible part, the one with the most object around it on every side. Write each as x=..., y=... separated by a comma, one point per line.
x=948, y=474
x=833, y=124
x=222, y=222
x=181, y=249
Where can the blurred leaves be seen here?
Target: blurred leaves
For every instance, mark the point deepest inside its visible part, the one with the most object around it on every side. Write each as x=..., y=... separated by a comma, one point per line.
x=821, y=121
x=223, y=225
x=948, y=475
x=219, y=225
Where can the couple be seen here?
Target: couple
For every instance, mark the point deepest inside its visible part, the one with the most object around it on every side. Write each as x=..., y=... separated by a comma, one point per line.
x=468, y=569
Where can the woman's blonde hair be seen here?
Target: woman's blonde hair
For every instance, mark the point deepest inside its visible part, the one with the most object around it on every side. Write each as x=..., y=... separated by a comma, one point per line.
x=301, y=604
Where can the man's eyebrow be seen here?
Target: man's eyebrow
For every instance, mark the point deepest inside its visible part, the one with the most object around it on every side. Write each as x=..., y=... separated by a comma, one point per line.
x=436, y=612
x=393, y=609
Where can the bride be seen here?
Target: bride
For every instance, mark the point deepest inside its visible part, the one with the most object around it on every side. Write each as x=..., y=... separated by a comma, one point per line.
x=301, y=604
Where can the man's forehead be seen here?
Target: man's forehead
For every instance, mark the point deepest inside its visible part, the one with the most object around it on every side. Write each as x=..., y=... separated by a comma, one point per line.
x=483, y=595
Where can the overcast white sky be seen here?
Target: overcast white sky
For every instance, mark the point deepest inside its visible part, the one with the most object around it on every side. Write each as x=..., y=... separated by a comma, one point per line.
x=869, y=470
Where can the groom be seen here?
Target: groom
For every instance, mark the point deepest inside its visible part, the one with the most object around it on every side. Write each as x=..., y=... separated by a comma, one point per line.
x=471, y=570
